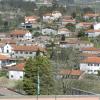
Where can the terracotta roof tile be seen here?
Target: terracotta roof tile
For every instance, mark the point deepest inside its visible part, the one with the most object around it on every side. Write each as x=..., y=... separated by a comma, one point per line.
x=70, y=72
x=4, y=57
x=27, y=48
x=19, y=32
x=90, y=49
x=91, y=14
x=91, y=60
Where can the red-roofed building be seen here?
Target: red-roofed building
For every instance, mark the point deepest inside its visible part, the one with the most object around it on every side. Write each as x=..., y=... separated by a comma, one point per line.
x=90, y=50
x=16, y=72
x=90, y=65
x=73, y=74
x=93, y=33
x=21, y=34
x=91, y=15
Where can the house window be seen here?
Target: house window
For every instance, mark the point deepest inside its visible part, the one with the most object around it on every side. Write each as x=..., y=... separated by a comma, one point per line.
x=97, y=64
x=16, y=51
x=90, y=64
x=12, y=76
x=7, y=51
x=20, y=76
x=26, y=52
x=30, y=52
x=21, y=52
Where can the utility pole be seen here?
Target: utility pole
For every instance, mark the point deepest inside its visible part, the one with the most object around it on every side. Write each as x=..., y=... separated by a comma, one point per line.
x=38, y=83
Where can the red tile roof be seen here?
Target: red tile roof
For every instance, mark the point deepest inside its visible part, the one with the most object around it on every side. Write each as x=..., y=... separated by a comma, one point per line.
x=70, y=72
x=4, y=57
x=91, y=60
x=88, y=55
x=19, y=32
x=92, y=31
x=90, y=49
x=91, y=15
x=18, y=67
x=27, y=48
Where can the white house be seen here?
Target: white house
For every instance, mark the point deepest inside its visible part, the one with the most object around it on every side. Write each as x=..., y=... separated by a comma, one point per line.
x=90, y=65
x=21, y=34
x=16, y=72
x=4, y=60
x=92, y=33
x=49, y=31
x=56, y=14
x=48, y=17
x=7, y=49
x=97, y=26
x=64, y=31
x=31, y=19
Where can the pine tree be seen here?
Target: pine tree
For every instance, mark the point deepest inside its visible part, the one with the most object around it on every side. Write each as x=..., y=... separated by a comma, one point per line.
x=38, y=66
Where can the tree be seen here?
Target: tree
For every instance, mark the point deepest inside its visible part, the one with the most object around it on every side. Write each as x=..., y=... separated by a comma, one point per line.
x=54, y=4
x=41, y=66
x=71, y=27
x=82, y=35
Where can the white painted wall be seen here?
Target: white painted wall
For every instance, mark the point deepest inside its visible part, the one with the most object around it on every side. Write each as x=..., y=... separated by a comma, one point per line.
x=97, y=26
x=7, y=49
x=16, y=75
x=90, y=69
x=28, y=36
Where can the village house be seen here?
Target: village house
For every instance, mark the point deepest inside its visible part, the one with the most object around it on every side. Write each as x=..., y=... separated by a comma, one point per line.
x=91, y=15
x=16, y=72
x=56, y=14
x=4, y=60
x=90, y=50
x=70, y=74
x=22, y=51
x=21, y=34
x=64, y=31
x=92, y=33
x=84, y=25
x=75, y=44
x=67, y=17
x=86, y=55
x=67, y=21
x=49, y=31
x=96, y=26
x=48, y=17
x=90, y=65
x=31, y=19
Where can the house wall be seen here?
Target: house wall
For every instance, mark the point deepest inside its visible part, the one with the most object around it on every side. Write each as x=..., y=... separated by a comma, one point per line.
x=67, y=34
x=7, y=49
x=28, y=36
x=97, y=26
x=48, y=31
x=90, y=68
x=16, y=75
x=93, y=34
x=23, y=54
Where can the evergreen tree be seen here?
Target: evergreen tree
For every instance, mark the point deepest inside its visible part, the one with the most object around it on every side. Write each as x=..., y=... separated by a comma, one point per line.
x=38, y=66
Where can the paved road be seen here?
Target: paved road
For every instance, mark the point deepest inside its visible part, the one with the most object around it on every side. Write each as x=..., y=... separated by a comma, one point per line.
x=52, y=98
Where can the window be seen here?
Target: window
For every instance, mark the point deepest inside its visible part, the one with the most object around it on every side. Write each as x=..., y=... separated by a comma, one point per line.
x=20, y=76
x=7, y=51
x=30, y=52
x=90, y=64
x=12, y=76
x=21, y=52
x=26, y=52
